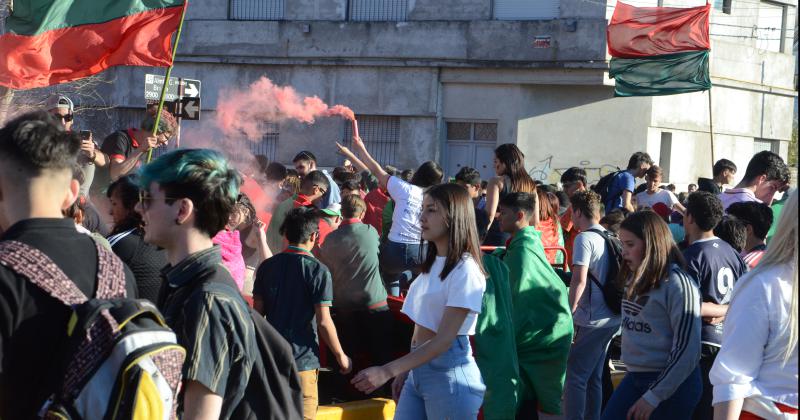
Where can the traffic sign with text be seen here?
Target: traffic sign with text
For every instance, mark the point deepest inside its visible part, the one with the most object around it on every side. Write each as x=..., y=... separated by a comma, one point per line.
x=154, y=82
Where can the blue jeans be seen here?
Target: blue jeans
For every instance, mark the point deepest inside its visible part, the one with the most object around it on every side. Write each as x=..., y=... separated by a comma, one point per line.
x=399, y=262
x=679, y=406
x=448, y=387
x=583, y=388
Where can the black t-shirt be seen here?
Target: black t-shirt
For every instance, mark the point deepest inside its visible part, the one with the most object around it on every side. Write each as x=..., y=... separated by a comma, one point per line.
x=291, y=285
x=145, y=261
x=33, y=324
x=119, y=144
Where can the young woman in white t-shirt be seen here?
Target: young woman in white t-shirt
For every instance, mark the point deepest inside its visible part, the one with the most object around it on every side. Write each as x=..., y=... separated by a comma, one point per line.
x=439, y=379
x=402, y=254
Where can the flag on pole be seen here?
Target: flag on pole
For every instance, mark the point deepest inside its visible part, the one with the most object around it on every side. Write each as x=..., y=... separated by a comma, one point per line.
x=659, y=50
x=49, y=42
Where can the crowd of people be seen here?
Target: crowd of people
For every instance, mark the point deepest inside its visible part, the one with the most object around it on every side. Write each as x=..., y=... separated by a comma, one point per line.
x=701, y=287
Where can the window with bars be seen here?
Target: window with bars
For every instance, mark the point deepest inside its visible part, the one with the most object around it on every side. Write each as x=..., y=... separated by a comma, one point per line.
x=269, y=141
x=723, y=6
x=760, y=145
x=381, y=135
x=256, y=9
x=471, y=131
x=378, y=10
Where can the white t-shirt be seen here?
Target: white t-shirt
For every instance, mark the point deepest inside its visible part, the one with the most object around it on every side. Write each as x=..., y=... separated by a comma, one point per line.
x=407, y=208
x=645, y=199
x=590, y=250
x=429, y=294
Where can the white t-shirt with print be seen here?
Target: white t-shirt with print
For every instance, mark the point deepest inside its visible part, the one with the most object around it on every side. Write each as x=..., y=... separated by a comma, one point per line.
x=407, y=208
x=645, y=199
x=429, y=294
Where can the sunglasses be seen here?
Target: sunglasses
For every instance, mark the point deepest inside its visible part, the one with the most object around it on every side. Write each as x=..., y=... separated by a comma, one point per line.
x=145, y=199
x=66, y=118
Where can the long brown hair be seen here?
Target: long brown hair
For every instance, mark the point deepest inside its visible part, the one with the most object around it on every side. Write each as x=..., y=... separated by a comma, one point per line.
x=509, y=155
x=547, y=211
x=459, y=212
x=660, y=252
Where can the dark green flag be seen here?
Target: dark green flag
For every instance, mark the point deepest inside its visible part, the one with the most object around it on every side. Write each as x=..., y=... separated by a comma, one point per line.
x=661, y=75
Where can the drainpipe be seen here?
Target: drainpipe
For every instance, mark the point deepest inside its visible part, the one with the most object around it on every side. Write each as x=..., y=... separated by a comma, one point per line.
x=441, y=152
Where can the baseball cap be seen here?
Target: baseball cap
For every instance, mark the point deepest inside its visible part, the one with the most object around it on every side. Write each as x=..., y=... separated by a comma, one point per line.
x=59, y=101
x=331, y=212
x=662, y=210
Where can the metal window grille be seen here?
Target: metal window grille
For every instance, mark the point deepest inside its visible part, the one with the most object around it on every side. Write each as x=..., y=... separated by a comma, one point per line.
x=266, y=146
x=723, y=5
x=526, y=9
x=256, y=9
x=378, y=10
x=381, y=135
x=468, y=131
x=760, y=145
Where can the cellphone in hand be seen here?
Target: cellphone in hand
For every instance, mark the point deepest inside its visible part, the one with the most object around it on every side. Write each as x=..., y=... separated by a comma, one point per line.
x=85, y=134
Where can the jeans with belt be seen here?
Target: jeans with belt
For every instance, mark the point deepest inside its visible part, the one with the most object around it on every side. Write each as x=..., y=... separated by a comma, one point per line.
x=448, y=387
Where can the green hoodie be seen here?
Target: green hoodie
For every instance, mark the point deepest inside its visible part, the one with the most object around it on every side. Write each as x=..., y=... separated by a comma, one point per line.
x=542, y=319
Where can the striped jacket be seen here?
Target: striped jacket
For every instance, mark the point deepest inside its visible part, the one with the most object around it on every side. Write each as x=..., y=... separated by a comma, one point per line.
x=661, y=333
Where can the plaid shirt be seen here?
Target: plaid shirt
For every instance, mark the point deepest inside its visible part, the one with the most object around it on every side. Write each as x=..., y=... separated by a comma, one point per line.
x=201, y=304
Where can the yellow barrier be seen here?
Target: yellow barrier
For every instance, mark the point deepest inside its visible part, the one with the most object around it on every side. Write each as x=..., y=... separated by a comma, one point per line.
x=372, y=409
x=616, y=377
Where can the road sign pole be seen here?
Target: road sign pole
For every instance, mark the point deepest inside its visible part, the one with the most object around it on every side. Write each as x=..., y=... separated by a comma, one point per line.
x=166, y=78
x=180, y=111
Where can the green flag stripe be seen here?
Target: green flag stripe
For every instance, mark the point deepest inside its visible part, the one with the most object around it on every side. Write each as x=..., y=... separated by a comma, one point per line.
x=661, y=75
x=33, y=17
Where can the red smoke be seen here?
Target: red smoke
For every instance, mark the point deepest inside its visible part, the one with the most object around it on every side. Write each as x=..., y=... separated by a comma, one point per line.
x=241, y=111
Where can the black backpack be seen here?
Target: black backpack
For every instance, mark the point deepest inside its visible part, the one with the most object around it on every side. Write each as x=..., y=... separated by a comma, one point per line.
x=612, y=289
x=603, y=186
x=273, y=390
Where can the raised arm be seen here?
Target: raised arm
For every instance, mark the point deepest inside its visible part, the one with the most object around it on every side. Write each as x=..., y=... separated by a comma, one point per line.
x=371, y=164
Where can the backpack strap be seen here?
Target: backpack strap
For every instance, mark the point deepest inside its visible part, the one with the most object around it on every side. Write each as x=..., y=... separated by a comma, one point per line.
x=40, y=270
x=589, y=272
x=110, y=274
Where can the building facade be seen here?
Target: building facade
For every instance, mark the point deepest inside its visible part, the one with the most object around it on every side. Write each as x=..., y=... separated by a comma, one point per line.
x=448, y=80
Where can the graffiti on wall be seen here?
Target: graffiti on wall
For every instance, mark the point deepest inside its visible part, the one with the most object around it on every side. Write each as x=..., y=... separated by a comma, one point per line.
x=546, y=173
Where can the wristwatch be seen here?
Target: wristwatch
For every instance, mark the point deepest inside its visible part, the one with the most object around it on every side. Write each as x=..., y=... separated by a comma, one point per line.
x=92, y=157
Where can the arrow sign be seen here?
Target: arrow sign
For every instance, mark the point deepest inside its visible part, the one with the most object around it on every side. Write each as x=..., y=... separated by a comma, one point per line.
x=190, y=109
x=153, y=83
x=191, y=88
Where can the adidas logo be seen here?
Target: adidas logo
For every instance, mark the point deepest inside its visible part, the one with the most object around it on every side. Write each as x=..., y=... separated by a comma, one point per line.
x=634, y=308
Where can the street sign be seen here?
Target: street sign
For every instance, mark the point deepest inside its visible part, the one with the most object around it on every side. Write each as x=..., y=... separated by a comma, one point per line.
x=154, y=82
x=190, y=109
x=191, y=88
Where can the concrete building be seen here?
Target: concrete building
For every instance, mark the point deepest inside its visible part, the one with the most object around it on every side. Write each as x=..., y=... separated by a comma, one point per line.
x=450, y=79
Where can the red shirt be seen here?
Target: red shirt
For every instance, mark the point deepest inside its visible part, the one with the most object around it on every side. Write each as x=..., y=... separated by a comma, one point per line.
x=376, y=201
x=572, y=233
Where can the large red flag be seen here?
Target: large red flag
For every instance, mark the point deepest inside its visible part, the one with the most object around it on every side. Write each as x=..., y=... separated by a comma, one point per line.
x=636, y=32
x=50, y=42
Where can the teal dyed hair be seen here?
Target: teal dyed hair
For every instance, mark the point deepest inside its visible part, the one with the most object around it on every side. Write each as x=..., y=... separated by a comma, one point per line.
x=201, y=175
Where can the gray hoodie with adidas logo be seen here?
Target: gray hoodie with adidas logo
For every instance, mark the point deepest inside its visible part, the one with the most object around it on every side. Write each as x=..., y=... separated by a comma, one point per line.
x=661, y=333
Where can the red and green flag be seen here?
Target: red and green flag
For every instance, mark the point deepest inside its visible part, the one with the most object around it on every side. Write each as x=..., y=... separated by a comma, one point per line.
x=659, y=50
x=55, y=41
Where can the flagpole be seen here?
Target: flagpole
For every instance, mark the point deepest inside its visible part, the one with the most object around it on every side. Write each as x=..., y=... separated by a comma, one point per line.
x=166, y=78
x=711, y=127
